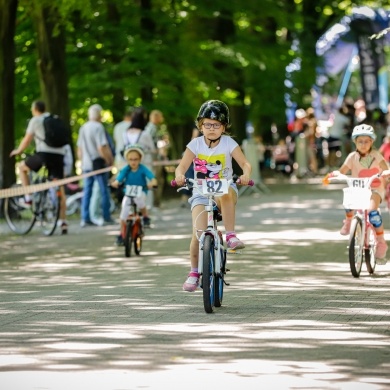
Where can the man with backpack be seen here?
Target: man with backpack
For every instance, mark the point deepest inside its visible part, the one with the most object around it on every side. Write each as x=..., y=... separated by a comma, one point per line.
x=45, y=130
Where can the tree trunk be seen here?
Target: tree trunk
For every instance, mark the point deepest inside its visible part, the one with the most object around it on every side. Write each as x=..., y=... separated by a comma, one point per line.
x=51, y=48
x=7, y=82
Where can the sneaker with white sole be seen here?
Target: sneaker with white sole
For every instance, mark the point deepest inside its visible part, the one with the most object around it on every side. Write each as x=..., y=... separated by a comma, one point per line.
x=381, y=250
x=192, y=282
x=234, y=243
x=344, y=231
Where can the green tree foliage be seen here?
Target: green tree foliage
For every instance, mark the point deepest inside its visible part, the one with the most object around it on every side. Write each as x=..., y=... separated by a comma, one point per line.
x=170, y=55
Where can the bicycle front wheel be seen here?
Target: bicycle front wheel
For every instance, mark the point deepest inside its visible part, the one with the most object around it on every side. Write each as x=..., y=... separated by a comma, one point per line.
x=369, y=252
x=19, y=216
x=356, y=247
x=219, y=279
x=128, y=238
x=49, y=211
x=208, y=278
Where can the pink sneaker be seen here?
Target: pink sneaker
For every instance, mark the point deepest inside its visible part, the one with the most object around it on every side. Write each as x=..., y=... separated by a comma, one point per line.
x=192, y=282
x=344, y=231
x=381, y=250
x=234, y=243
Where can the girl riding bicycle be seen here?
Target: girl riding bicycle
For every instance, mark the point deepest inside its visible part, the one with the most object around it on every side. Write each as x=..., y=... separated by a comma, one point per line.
x=212, y=156
x=134, y=173
x=365, y=162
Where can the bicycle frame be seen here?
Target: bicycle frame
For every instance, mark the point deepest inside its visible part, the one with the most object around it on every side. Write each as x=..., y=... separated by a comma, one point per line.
x=134, y=228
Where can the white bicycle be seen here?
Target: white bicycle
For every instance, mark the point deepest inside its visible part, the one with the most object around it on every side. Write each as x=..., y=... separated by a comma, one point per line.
x=212, y=252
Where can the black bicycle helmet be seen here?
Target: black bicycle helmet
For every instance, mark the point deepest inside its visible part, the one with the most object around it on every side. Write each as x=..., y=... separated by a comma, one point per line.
x=214, y=109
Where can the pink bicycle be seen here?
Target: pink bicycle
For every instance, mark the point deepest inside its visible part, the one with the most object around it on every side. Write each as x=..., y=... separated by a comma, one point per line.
x=362, y=236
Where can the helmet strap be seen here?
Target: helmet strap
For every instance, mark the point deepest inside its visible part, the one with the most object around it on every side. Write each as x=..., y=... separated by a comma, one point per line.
x=213, y=140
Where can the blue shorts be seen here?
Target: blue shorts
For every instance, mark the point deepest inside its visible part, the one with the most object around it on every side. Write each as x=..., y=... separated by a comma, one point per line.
x=198, y=199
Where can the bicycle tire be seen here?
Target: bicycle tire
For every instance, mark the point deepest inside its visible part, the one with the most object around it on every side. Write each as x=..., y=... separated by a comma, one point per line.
x=208, y=277
x=20, y=219
x=137, y=237
x=128, y=238
x=220, y=280
x=50, y=211
x=369, y=253
x=356, y=247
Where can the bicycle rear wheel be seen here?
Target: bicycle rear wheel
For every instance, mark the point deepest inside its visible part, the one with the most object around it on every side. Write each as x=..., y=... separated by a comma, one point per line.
x=219, y=280
x=369, y=253
x=49, y=210
x=128, y=238
x=208, y=278
x=356, y=247
x=137, y=237
x=19, y=216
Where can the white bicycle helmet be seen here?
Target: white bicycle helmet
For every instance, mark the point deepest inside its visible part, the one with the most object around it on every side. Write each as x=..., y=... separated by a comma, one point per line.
x=363, y=130
x=134, y=148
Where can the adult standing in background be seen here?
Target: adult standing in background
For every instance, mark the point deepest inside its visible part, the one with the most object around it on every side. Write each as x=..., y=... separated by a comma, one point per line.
x=92, y=143
x=136, y=135
x=340, y=123
x=156, y=118
x=119, y=138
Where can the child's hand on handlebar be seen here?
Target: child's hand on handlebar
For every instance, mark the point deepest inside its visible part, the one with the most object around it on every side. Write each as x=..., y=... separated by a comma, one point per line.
x=244, y=180
x=180, y=180
x=114, y=184
x=385, y=173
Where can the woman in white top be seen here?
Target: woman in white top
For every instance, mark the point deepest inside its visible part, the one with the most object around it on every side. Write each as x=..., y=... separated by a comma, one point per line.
x=135, y=135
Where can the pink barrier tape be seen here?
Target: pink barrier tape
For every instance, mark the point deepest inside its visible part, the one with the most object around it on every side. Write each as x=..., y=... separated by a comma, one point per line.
x=16, y=191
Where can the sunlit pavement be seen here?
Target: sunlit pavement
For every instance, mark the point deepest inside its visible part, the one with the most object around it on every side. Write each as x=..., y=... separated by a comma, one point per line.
x=76, y=314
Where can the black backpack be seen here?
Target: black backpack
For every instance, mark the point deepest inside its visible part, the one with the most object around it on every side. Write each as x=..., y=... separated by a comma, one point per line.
x=56, y=132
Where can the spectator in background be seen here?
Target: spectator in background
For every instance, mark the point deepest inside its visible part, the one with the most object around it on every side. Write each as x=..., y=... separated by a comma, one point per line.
x=260, y=148
x=119, y=138
x=136, y=135
x=311, y=144
x=156, y=118
x=385, y=148
x=96, y=198
x=340, y=123
x=190, y=174
x=91, y=144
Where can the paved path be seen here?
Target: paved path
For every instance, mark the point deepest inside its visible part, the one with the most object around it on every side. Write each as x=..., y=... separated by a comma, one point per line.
x=76, y=314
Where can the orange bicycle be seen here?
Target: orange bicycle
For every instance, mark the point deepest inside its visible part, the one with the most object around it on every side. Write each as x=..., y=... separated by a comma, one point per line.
x=134, y=224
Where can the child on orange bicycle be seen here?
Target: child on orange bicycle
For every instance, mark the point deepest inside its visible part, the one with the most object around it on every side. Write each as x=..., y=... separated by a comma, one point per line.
x=365, y=162
x=137, y=174
x=212, y=156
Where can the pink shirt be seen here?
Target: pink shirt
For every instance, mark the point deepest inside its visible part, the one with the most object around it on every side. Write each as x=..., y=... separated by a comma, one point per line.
x=366, y=167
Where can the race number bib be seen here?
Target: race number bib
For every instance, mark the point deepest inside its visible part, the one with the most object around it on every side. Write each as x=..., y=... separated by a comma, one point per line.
x=133, y=191
x=215, y=187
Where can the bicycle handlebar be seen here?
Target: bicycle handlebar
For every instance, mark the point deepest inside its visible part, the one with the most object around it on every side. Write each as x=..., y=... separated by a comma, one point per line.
x=191, y=182
x=344, y=178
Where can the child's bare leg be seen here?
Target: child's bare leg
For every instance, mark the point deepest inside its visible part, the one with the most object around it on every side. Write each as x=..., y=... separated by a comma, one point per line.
x=201, y=222
x=123, y=228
